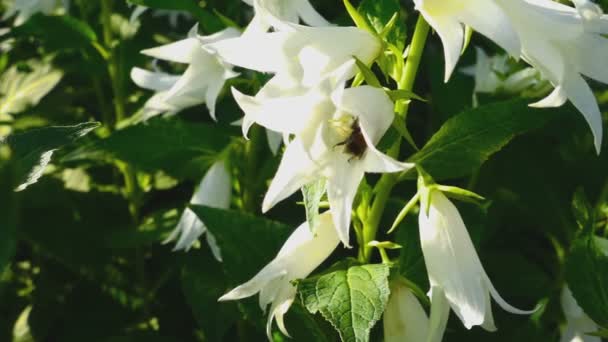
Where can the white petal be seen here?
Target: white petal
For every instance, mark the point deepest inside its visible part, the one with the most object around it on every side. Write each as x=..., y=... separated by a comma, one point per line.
x=182, y=51
x=211, y=95
x=309, y=15
x=213, y=246
x=282, y=114
x=581, y=96
x=373, y=108
x=296, y=170
x=341, y=190
x=487, y=18
x=451, y=260
x=153, y=80
x=377, y=162
x=440, y=313
x=274, y=141
x=404, y=318
x=215, y=188
x=268, y=274
x=503, y=303
x=261, y=52
x=452, y=37
x=555, y=99
x=188, y=229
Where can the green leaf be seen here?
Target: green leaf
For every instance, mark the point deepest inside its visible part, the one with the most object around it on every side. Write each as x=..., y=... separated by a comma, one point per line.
x=402, y=94
x=352, y=300
x=468, y=139
x=587, y=276
x=20, y=89
x=357, y=17
x=368, y=74
x=247, y=242
x=379, y=14
x=56, y=32
x=180, y=148
x=312, y=194
x=209, y=22
x=32, y=150
x=203, y=282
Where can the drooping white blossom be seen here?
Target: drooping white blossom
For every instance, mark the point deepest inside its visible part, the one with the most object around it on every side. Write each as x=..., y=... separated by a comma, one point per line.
x=336, y=131
x=267, y=11
x=404, y=318
x=214, y=191
x=303, y=251
x=299, y=56
x=200, y=83
x=448, y=18
x=24, y=9
x=456, y=275
x=578, y=324
x=563, y=43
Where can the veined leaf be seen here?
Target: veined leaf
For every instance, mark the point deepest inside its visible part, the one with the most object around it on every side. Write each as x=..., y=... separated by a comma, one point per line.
x=312, y=194
x=352, y=299
x=468, y=139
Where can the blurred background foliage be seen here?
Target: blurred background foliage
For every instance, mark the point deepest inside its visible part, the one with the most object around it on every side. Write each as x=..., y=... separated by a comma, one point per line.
x=81, y=257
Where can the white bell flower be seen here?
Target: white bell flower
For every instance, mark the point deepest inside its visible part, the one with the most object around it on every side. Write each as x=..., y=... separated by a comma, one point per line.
x=303, y=251
x=266, y=11
x=24, y=9
x=214, y=191
x=404, y=318
x=457, y=278
x=578, y=324
x=564, y=43
x=299, y=55
x=335, y=138
x=448, y=17
x=203, y=79
x=561, y=42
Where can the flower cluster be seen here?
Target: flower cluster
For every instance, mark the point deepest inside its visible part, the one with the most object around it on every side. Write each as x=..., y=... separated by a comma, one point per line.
x=561, y=42
x=331, y=129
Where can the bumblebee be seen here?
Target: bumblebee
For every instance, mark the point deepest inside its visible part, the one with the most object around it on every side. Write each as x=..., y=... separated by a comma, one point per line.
x=355, y=143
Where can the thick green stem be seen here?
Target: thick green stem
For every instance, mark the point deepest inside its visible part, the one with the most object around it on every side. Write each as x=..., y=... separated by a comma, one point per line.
x=387, y=181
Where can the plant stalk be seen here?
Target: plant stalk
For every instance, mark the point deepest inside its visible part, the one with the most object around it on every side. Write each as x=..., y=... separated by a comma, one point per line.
x=389, y=180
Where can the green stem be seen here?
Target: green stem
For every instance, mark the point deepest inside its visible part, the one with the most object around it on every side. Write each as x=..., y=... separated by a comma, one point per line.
x=252, y=154
x=389, y=180
x=112, y=59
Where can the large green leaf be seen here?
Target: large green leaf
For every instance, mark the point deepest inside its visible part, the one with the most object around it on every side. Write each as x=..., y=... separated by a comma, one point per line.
x=178, y=147
x=209, y=22
x=32, y=150
x=21, y=87
x=56, y=32
x=468, y=139
x=351, y=299
x=587, y=276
